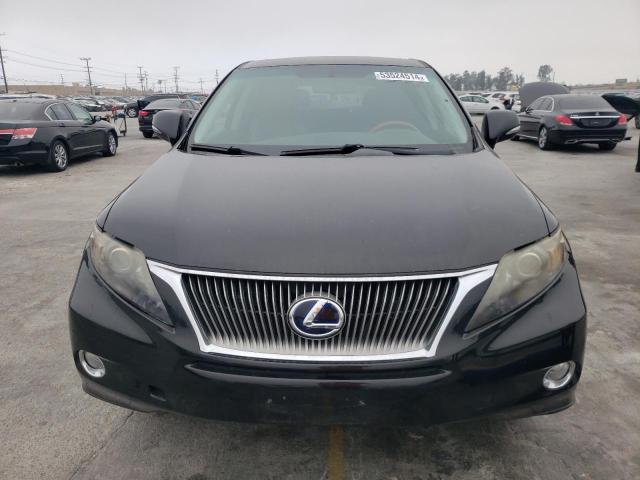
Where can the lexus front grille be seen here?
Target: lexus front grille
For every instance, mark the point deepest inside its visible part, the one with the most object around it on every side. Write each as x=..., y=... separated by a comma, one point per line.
x=381, y=316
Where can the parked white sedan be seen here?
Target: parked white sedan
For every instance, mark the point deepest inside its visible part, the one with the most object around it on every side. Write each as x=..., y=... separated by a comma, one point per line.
x=478, y=104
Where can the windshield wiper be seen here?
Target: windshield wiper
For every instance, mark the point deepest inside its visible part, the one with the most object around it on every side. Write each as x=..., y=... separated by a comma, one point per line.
x=348, y=148
x=224, y=150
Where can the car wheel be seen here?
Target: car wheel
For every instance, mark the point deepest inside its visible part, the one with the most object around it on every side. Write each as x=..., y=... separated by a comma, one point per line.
x=132, y=113
x=147, y=134
x=543, y=139
x=58, y=157
x=112, y=145
x=607, y=146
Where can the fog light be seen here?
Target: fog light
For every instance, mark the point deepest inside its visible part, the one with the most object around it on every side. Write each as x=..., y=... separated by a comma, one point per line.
x=92, y=364
x=558, y=376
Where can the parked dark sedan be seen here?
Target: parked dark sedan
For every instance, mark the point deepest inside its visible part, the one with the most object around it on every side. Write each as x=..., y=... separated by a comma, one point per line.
x=50, y=133
x=145, y=118
x=568, y=119
x=330, y=240
x=132, y=109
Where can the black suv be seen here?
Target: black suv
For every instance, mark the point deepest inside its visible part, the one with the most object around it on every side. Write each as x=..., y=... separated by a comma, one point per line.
x=330, y=240
x=133, y=108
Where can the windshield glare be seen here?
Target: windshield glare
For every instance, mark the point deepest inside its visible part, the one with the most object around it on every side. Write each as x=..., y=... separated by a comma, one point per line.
x=332, y=105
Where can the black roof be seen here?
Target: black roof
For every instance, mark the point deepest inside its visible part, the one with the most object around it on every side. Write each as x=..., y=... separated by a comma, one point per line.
x=280, y=62
x=29, y=100
x=560, y=96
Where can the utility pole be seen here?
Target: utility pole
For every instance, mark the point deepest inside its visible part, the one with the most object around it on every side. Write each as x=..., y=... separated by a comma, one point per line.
x=141, y=78
x=4, y=75
x=175, y=77
x=201, y=87
x=126, y=87
x=86, y=60
x=217, y=77
x=146, y=80
x=62, y=80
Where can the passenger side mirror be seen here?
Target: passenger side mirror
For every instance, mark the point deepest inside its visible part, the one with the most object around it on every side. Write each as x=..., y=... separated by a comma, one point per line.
x=171, y=124
x=499, y=125
x=528, y=110
x=96, y=118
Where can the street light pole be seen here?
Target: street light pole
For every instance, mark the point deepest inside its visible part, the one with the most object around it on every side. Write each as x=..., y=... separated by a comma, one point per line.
x=175, y=77
x=86, y=60
x=4, y=75
x=141, y=78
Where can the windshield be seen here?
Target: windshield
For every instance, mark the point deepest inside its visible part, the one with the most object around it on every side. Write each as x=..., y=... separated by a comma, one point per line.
x=164, y=103
x=271, y=109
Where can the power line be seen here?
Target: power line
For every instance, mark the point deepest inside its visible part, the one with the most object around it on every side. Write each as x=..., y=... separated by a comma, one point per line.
x=43, y=59
x=45, y=66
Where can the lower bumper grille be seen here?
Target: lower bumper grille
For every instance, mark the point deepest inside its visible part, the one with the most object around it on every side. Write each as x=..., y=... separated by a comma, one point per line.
x=381, y=317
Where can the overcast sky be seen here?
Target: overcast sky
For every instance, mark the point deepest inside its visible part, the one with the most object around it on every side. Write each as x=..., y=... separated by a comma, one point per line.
x=578, y=38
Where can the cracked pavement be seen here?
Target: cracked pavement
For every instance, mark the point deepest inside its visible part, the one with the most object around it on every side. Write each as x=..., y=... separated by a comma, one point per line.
x=50, y=429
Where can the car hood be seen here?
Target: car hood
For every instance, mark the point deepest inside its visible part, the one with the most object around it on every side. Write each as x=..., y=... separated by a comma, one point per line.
x=334, y=215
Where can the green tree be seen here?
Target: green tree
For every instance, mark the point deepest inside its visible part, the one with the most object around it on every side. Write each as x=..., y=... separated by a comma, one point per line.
x=544, y=73
x=505, y=78
x=481, y=79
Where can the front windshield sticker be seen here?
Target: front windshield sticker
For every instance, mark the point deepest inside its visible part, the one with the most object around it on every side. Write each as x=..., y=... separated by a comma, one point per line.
x=401, y=76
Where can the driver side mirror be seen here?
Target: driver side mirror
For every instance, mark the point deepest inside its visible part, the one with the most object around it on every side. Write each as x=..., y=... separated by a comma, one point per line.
x=96, y=118
x=171, y=124
x=499, y=125
x=528, y=110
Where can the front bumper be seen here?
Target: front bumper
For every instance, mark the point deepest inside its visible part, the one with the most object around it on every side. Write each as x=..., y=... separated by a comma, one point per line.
x=497, y=372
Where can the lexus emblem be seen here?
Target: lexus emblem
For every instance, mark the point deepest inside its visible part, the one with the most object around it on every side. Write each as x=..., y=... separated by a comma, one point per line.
x=316, y=317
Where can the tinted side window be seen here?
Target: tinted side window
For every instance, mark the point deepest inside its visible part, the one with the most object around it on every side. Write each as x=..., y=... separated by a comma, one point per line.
x=79, y=113
x=545, y=104
x=535, y=105
x=50, y=113
x=61, y=112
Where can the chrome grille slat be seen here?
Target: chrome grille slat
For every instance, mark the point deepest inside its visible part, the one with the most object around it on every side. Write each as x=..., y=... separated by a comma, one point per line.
x=381, y=317
x=225, y=330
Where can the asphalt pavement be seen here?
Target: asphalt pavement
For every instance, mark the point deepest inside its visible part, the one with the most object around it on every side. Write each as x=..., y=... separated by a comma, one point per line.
x=50, y=429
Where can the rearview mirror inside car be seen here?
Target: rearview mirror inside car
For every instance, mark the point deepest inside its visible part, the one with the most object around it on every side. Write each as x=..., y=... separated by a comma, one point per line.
x=171, y=124
x=499, y=125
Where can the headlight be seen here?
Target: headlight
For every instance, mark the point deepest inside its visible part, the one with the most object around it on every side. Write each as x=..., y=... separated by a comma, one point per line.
x=520, y=276
x=124, y=269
